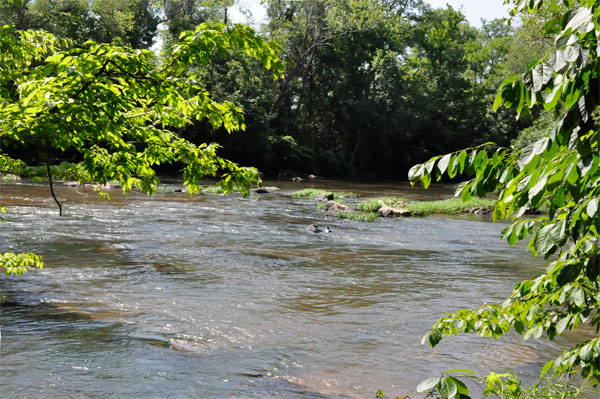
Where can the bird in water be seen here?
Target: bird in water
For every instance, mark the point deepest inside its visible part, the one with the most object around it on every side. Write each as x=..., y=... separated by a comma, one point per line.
x=316, y=229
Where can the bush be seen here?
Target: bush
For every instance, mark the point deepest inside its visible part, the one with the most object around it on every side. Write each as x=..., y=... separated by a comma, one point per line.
x=63, y=171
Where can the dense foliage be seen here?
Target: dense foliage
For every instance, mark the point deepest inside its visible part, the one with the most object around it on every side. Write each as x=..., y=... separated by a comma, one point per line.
x=116, y=106
x=560, y=171
x=124, y=22
x=376, y=86
x=371, y=86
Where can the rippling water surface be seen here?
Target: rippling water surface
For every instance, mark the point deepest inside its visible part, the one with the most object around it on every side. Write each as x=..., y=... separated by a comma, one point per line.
x=173, y=296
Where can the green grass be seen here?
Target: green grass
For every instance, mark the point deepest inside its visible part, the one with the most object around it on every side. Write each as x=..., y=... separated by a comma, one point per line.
x=213, y=190
x=374, y=204
x=367, y=210
x=315, y=192
x=448, y=206
x=217, y=190
x=359, y=216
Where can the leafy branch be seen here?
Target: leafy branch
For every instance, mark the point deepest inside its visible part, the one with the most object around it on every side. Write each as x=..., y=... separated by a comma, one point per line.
x=560, y=171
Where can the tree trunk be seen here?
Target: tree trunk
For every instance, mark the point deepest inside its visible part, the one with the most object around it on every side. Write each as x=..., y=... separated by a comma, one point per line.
x=52, y=188
x=356, y=147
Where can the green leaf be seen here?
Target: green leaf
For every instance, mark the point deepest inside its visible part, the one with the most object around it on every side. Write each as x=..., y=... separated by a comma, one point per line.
x=592, y=267
x=562, y=324
x=551, y=99
x=541, y=75
x=586, y=353
x=452, y=166
x=592, y=207
x=465, y=193
x=462, y=157
x=415, y=173
x=426, y=180
x=461, y=387
x=575, y=19
x=48, y=70
x=535, y=332
x=448, y=387
x=553, y=26
x=428, y=384
x=538, y=188
x=572, y=175
x=443, y=163
x=550, y=236
x=461, y=371
x=435, y=336
x=519, y=326
x=547, y=368
x=568, y=274
x=577, y=296
x=512, y=237
x=502, y=90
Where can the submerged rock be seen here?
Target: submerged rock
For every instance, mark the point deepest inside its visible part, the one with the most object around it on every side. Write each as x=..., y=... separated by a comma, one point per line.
x=260, y=191
x=390, y=212
x=327, y=196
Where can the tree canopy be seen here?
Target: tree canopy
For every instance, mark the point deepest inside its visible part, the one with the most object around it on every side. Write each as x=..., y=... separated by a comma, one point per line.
x=116, y=108
x=115, y=105
x=560, y=172
x=131, y=23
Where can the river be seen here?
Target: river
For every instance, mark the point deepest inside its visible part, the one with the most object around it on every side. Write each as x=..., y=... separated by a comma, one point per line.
x=174, y=296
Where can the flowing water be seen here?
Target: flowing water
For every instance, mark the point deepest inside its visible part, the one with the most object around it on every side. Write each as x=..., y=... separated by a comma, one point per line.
x=174, y=296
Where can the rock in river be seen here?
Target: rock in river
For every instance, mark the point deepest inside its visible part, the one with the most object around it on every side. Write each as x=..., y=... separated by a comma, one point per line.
x=260, y=191
x=333, y=208
x=389, y=212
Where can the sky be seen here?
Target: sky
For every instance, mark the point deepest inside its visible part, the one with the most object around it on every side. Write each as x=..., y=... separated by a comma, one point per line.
x=474, y=10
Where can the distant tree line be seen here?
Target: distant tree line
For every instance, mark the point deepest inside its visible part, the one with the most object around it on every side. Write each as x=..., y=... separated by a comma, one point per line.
x=371, y=88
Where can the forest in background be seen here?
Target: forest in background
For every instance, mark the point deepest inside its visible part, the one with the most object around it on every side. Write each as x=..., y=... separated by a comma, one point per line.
x=371, y=87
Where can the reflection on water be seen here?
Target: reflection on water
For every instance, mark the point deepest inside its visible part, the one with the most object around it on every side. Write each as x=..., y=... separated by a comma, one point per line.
x=178, y=296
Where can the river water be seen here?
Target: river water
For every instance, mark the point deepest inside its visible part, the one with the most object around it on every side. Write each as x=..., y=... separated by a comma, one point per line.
x=174, y=296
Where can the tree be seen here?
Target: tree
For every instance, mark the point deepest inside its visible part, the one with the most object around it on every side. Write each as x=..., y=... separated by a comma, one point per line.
x=113, y=107
x=182, y=15
x=560, y=171
x=367, y=89
x=337, y=100
x=377, y=85
x=132, y=23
